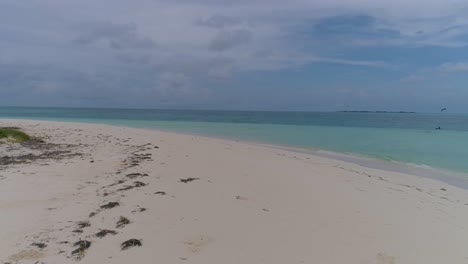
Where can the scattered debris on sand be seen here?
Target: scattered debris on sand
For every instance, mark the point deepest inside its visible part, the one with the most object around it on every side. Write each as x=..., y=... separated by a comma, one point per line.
x=39, y=245
x=123, y=221
x=83, y=224
x=136, y=175
x=35, y=149
x=28, y=158
x=110, y=205
x=135, y=185
x=137, y=158
x=105, y=232
x=131, y=243
x=115, y=183
x=139, y=184
x=139, y=210
x=82, y=245
x=126, y=188
x=188, y=180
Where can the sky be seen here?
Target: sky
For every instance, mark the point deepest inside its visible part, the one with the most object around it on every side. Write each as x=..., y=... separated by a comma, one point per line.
x=295, y=55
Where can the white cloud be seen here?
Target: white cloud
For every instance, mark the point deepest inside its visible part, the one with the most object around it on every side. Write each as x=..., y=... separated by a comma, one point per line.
x=454, y=67
x=440, y=72
x=412, y=78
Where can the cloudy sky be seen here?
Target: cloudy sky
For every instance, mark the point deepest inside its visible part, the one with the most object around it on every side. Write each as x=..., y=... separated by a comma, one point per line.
x=316, y=55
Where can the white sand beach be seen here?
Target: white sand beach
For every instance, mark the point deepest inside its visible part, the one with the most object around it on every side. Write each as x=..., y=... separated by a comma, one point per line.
x=237, y=203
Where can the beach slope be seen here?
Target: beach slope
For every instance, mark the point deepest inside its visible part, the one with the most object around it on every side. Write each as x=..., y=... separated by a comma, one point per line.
x=105, y=194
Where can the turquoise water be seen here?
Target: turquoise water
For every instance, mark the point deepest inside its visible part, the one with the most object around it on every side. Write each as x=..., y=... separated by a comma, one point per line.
x=408, y=138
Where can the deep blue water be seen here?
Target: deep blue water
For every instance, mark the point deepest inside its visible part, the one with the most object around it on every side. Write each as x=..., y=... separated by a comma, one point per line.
x=403, y=137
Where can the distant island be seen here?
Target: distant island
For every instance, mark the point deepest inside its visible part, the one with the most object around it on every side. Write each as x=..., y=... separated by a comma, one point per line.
x=378, y=112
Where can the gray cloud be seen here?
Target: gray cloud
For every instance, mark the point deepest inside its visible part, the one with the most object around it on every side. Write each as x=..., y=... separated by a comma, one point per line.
x=218, y=21
x=159, y=52
x=230, y=39
x=134, y=58
x=116, y=36
x=173, y=82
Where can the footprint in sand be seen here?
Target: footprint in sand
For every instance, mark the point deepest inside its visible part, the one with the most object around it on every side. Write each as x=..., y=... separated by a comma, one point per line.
x=242, y=198
x=195, y=244
x=383, y=258
x=29, y=254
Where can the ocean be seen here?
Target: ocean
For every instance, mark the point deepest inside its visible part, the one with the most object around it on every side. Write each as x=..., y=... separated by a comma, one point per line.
x=409, y=138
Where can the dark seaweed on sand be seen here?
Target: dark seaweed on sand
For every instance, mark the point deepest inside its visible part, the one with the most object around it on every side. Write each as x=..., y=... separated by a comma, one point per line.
x=141, y=209
x=139, y=184
x=126, y=188
x=110, y=205
x=82, y=245
x=188, y=180
x=39, y=245
x=136, y=175
x=105, y=232
x=83, y=224
x=116, y=183
x=123, y=221
x=135, y=185
x=131, y=243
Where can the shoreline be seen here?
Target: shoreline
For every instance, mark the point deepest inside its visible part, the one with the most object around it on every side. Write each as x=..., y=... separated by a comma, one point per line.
x=452, y=177
x=196, y=199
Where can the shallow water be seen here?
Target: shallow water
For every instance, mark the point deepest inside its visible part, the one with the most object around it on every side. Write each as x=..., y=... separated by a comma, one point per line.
x=408, y=138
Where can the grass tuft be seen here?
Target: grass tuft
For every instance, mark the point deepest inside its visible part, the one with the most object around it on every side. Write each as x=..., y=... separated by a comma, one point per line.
x=13, y=135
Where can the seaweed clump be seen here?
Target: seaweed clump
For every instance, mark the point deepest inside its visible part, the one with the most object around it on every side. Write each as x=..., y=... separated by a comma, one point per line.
x=110, y=205
x=123, y=221
x=39, y=245
x=83, y=224
x=131, y=243
x=105, y=232
x=82, y=245
x=188, y=180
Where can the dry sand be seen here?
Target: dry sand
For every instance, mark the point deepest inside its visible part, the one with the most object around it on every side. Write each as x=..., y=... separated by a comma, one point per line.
x=245, y=204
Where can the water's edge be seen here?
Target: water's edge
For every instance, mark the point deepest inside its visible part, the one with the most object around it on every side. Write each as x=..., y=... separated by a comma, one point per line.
x=454, y=178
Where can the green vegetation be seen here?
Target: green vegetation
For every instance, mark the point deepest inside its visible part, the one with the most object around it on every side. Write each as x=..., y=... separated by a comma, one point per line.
x=11, y=134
